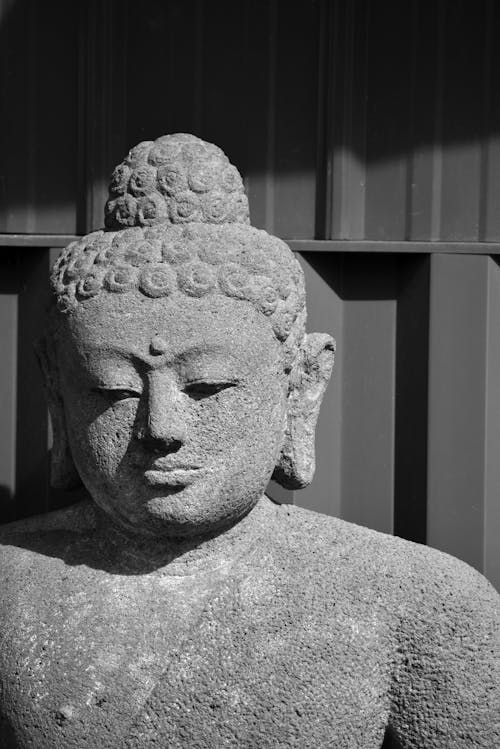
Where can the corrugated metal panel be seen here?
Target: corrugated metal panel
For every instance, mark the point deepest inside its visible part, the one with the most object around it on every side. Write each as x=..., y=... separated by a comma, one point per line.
x=243, y=75
x=463, y=490
x=396, y=103
x=413, y=127
x=31, y=413
x=491, y=518
x=24, y=462
x=38, y=127
x=8, y=388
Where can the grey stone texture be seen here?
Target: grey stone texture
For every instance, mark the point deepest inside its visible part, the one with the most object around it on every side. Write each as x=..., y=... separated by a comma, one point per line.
x=174, y=605
x=176, y=178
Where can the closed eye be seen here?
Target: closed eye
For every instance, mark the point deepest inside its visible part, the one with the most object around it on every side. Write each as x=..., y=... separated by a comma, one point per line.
x=117, y=394
x=198, y=390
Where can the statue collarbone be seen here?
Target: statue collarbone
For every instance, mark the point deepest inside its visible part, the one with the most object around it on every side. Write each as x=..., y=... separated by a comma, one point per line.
x=178, y=605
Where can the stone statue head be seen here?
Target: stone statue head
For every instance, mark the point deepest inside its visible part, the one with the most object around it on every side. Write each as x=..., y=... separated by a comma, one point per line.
x=179, y=374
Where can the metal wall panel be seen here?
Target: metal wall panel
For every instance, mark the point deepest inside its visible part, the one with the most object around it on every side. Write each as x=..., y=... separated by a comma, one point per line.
x=8, y=387
x=491, y=521
x=32, y=489
x=24, y=488
x=412, y=121
x=39, y=125
x=349, y=120
x=463, y=488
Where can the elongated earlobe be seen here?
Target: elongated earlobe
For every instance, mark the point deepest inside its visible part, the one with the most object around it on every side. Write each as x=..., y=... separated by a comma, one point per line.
x=63, y=473
x=308, y=381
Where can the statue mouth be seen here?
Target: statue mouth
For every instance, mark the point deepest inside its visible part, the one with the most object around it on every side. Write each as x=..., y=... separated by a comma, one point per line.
x=179, y=476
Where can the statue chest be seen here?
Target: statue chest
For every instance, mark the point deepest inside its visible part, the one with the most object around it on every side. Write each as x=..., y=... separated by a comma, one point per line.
x=80, y=656
x=191, y=663
x=279, y=676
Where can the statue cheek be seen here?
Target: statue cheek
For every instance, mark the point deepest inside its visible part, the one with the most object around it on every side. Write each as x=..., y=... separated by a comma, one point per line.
x=214, y=428
x=109, y=435
x=248, y=420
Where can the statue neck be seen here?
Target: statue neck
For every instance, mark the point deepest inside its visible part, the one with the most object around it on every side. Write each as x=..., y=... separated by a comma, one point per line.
x=133, y=553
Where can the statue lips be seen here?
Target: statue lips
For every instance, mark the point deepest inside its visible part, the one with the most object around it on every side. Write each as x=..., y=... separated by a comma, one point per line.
x=165, y=474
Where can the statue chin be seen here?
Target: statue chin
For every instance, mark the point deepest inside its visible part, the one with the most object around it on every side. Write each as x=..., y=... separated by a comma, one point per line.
x=181, y=503
x=178, y=515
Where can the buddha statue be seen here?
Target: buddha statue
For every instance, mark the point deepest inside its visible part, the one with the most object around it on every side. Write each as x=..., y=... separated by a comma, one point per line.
x=174, y=605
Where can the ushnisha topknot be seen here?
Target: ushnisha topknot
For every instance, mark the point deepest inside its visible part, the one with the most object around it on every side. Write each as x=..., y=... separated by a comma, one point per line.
x=176, y=179
x=175, y=252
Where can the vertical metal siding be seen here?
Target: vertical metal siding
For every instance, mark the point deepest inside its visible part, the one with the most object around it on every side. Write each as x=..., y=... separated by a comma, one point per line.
x=413, y=122
x=8, y=387
x=38, y=127
x=350, y=120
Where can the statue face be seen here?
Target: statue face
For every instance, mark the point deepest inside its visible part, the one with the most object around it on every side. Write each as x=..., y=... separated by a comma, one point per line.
x=175, y=413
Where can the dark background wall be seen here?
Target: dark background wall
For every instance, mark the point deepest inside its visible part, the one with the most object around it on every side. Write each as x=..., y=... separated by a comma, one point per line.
x=368, y=134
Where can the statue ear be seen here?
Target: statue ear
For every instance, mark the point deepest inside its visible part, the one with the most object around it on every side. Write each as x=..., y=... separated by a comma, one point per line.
x=308, y=381
x=63, y=473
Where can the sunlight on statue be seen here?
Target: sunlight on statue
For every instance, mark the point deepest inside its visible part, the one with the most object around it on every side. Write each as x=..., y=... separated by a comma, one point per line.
x=176, y=605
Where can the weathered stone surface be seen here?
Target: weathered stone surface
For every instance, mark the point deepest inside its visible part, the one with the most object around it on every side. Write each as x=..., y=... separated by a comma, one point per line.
x=300, y=631
x=176, y=178
x=175, y=605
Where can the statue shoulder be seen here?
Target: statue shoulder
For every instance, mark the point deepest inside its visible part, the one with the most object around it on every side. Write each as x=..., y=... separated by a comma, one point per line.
x=23, y=541
x=76, y=517
x=447, y=680
x=411, y=576
x=326, y=536
x=450, y=584
x=443, y=620
x=447, y=673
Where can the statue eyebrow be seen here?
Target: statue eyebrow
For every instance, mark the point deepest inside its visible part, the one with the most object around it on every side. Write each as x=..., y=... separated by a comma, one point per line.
x=140, y=359
x=205, y=349
x=114, y=352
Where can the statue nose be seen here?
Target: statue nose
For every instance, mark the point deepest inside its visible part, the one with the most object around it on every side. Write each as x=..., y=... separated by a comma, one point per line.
x=162, y=445
x=166, y=417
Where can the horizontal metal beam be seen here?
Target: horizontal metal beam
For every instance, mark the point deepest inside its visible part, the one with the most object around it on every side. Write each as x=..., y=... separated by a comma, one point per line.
x=298, y=245
x=36, y=240
x=372, y=246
